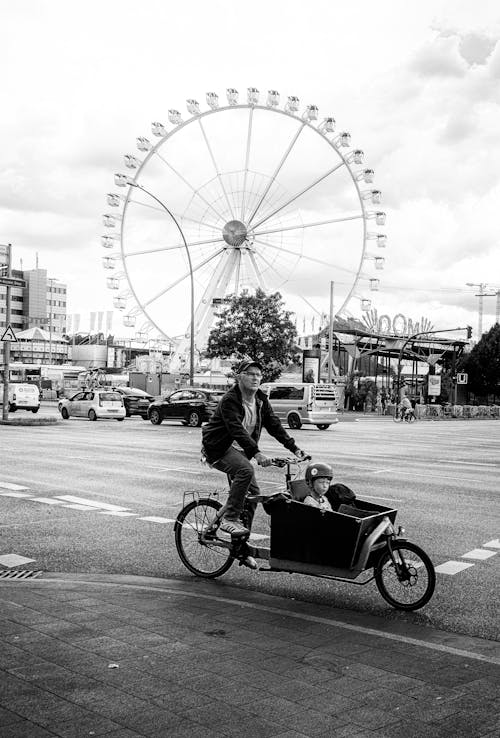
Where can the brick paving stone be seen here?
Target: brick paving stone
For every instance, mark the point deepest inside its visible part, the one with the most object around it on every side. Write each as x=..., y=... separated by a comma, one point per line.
x=405, y=729
x=393, y=701
x=349, y=686
x=370, y=717
x=227, y=719
x=152, y=721
x=84, y=727
x=26, y=729
x=181, y=700
x=189, y=729
x=330, y=704
x=7, y=717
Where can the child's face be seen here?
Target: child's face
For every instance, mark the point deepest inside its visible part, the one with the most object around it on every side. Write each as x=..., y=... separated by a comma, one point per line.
x=321, y=485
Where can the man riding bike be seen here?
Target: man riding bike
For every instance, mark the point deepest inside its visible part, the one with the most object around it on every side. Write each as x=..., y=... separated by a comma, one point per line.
x=231, y=438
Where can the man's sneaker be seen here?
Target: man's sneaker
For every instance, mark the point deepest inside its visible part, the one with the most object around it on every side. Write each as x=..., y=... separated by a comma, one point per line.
x=249, y=561
x=234, y=527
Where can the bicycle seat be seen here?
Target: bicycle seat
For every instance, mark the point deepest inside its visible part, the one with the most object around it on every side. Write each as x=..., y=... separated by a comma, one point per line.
x=299, y=489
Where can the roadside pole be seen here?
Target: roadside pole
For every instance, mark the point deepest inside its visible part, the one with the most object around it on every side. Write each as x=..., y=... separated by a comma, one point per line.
x=6, y=343
x=330, y=336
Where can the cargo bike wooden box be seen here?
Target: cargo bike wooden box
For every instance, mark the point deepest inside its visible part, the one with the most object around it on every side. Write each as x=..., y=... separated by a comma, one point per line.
x=358, y=543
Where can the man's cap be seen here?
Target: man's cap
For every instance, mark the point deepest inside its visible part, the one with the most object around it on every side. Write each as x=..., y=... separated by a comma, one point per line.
x=246, y=364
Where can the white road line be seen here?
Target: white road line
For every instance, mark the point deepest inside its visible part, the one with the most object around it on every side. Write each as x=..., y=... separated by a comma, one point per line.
x=76, y=506
x=452, y=567
x=155, y=519
x=381, y=471
x=47, y=500
x=467, y=463
x=479, y=553
x=91, y=503
x=14, y=560
x=493, y=544
x=117, y=513
x=9, y=485
x=15, y=494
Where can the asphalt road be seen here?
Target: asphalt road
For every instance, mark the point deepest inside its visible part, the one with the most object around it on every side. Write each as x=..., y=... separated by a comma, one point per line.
x=442, y=476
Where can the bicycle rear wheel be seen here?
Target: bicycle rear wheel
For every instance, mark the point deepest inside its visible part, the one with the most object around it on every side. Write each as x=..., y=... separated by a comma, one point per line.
x=200, y=556
x=409, y=582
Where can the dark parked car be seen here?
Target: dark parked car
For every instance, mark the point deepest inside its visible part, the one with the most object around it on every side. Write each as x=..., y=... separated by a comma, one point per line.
x=192, y=406
x=136, y=401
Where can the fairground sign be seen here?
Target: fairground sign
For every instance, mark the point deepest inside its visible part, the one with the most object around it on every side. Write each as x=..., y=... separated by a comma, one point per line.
x=399, y=325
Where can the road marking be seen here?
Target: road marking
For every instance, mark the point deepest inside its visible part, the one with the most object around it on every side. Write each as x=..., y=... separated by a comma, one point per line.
x=15, y=494
x=155, y=519
x=76, y=506
x=91, y=503
x=14, y=560
x=493, y=544
x=117, y=513
x=452, y=567
x=479, y=553
x=9, y=485
x=381, y=471
x=467, y=463
x=48, y=500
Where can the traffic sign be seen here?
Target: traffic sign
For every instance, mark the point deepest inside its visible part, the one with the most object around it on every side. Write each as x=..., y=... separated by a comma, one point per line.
x=462, y=378
x=8, y=334
x=12, y=282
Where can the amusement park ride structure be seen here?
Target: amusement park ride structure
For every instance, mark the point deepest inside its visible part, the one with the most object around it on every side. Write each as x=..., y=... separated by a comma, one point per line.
x=262, y=196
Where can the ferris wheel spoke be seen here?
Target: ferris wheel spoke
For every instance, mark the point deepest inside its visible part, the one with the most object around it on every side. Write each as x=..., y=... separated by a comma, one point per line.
x=188, y=184
x=299, y=194
x=302, y=256
x=176, y=246
x=207, y=142
x=308, y=225
x=258, y=273
x=176, y=215
x=276, y=172
x=247, y=160
x=184, y=276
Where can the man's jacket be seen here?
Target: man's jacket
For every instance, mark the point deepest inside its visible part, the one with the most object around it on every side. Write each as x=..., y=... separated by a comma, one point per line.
x=226, y=426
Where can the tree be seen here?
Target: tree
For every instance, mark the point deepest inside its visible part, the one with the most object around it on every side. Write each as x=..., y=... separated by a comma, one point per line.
x=483, y=363
x=255, y=326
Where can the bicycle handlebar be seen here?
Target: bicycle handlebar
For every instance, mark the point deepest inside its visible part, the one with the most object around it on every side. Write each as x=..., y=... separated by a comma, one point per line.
x=283, y=461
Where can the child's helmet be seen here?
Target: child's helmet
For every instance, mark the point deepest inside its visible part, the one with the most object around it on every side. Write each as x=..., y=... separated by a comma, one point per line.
x=317, y=471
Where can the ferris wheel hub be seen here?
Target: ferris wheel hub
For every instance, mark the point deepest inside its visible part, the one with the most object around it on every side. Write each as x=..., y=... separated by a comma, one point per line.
x=234, y=233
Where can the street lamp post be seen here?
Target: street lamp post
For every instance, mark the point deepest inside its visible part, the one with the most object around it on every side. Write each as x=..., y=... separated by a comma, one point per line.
x=132, y=183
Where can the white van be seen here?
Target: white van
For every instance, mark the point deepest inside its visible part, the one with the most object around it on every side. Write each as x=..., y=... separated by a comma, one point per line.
x=301, y=403
x=22, y=397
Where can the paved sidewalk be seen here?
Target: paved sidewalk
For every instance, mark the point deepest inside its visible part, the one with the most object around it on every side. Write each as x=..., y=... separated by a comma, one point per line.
x=89, y=655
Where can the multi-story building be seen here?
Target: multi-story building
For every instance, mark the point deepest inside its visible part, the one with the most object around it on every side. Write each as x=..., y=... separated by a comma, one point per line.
x=41, y=303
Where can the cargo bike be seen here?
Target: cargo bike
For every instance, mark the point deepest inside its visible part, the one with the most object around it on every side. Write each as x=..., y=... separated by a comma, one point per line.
x=358, y=543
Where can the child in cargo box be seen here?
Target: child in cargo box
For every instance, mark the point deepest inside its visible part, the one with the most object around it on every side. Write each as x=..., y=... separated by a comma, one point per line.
x=323, y=494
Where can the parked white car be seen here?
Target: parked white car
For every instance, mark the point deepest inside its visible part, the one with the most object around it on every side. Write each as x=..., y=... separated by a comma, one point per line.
x=93, y=404
x=22, y=397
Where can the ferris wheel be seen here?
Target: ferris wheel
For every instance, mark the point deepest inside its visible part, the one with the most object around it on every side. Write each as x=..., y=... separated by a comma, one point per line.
x=240, y=196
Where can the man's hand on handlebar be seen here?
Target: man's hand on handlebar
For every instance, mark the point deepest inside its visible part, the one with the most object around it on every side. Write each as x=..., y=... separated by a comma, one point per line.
x=263, y=460
x=302, y=455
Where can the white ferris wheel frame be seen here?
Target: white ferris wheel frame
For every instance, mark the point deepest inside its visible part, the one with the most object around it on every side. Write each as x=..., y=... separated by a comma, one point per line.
x=218, y=284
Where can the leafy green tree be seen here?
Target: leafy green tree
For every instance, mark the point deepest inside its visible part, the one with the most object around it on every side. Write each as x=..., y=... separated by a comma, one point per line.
x=255, y=326
x=483, y=363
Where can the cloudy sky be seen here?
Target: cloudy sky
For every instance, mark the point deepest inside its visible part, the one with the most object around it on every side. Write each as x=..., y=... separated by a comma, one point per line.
x=416, y=84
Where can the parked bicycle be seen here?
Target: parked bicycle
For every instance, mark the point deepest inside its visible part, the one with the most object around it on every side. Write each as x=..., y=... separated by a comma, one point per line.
x=340, y=546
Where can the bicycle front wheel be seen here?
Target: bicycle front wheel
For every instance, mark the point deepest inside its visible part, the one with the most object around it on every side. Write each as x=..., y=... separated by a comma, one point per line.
x=199, y=555
x=408, y=582
x=397, y=416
